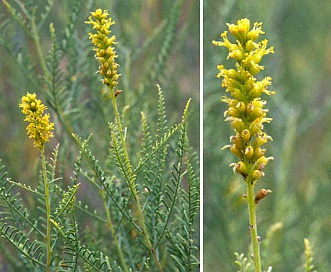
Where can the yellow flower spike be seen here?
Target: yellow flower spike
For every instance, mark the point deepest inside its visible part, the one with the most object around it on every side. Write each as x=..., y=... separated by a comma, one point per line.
x=40, y=128
x=246, y=111
x=105, y=52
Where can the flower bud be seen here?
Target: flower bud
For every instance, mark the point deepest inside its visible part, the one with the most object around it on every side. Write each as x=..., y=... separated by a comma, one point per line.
x=232, y=112
x=258, y=152
x=237, y=141
x=261, y=139
x=241, y=168
x=237, y=55
x=255, y=109
x=236, y=151
x=251, y=45
x=240, y=31
x=238, y=124
x=262, y=162
x=257, y=174
x=256, y=126
x=245, y=135
x=235, y=93
x=253, y=34
x=249, y=152
x=252, y=66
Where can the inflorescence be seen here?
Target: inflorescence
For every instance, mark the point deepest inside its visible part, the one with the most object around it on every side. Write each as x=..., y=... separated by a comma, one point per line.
x=246, y=110
x=103, y=46
x=40, y=128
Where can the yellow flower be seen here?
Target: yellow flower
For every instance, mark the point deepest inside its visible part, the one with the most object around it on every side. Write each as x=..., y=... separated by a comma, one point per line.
x=246, y=110
x=105, y=52
x=40, y=128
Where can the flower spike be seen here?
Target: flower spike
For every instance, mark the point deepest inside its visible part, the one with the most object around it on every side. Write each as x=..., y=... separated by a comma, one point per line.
x=246, y=110
x=40, y=128
x=103, y=46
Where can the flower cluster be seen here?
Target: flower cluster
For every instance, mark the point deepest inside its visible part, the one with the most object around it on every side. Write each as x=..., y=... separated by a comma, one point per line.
x=246, y=110
x=39, y=129
x=105, y=52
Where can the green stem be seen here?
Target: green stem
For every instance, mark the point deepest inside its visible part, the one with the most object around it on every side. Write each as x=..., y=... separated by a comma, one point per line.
x=252, y=225
x=48, y=210
x=133, y=184
x=112, y=230
x=37, y=42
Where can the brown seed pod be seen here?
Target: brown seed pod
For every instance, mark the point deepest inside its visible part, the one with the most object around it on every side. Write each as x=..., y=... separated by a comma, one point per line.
x=261, y=194
x=117, y=92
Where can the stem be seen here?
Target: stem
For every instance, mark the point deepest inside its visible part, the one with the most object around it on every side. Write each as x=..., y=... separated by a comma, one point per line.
x=252, y=224
x=111, y=228
x=119, y=126
x=48, y=210
x=133, y=184
x=37, y=42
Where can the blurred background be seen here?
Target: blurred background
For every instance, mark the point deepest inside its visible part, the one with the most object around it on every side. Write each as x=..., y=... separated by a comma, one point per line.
x=300, y=175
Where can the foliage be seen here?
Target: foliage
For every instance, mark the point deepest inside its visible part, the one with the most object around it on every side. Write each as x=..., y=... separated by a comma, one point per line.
x=120, y=200
x=242, y=262
x=299, y=177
